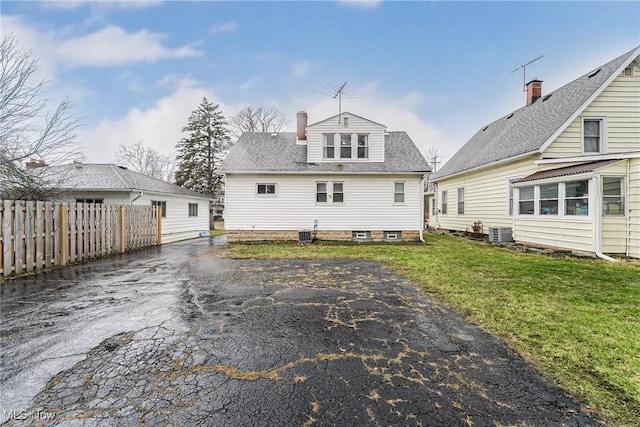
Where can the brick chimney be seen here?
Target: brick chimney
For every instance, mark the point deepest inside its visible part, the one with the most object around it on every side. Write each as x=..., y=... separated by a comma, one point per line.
x=534, y=91
x=35, y=163
x=302, y=126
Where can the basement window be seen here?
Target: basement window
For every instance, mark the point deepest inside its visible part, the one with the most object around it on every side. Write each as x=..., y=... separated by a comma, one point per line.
x=392, y=236
x=361, y=236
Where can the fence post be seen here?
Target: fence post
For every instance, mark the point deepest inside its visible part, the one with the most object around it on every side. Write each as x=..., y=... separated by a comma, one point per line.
x=158, y=225
x=122, y=233
x=64, y=236
x=8, y=240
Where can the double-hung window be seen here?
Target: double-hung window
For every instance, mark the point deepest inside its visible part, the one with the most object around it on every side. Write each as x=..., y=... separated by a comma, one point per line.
x=321, y=192
x=549, y=199
x=162, y=205
x=323, y=195
x=592, y=135
x=265, y=189
x=461, y=201
x=363, y=146
x=345, y=146
x=526, y=202
x=444, y=202
x=613, y=196
x=329, y=147
x=576, y=201
x=398, y=192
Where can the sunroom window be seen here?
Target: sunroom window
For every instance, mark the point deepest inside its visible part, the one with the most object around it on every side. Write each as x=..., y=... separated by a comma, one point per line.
x=549, y=199
x=613, y=196
x=576, y=198
x=526, y=200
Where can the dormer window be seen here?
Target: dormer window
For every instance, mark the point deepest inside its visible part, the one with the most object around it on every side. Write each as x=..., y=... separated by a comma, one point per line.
x=363, y=146
x=592, y=135
x=345, y=146
x=328, y=151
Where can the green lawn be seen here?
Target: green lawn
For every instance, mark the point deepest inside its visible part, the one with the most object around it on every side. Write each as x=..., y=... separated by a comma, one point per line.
x=577, y=321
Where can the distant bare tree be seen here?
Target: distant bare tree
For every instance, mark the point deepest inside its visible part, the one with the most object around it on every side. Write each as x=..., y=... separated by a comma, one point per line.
x=257, y=119
x=29, y=129
x=146, y=160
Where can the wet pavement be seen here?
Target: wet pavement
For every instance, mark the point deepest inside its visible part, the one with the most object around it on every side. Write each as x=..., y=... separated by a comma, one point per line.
x=180, y=336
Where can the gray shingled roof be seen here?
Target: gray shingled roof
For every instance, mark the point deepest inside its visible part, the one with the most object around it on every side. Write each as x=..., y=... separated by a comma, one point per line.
x=262, y=152
x=528, y=128
x=110, y=177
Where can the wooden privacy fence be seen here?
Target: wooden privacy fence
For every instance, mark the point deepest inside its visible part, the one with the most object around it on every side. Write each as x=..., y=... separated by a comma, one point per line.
x=38, y=235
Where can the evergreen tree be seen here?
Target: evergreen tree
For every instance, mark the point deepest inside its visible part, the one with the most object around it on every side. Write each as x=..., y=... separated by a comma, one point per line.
x=202, y=150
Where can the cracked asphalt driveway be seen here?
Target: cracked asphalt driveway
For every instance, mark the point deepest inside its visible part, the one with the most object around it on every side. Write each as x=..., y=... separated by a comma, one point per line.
x=180, y=336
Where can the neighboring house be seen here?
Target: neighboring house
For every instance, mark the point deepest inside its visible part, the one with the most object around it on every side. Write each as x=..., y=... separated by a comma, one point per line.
x=185, y=213
x=344, y=178
x=562, y=171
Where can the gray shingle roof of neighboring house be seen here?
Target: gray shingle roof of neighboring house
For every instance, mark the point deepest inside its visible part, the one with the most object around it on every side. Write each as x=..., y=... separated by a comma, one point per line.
x=527, y=129
x=264, y=152
x=110, y=177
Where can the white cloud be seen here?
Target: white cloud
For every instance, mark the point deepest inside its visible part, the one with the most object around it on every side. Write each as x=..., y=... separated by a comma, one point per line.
x=158, y=126
x=363, y=4
x=300, y=69
x=113, y=46
x=224, y=27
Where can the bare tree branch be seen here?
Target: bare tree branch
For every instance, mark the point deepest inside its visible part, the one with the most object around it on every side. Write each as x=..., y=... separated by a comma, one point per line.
x=28, y=128
x=257, y=119
x=146, y=160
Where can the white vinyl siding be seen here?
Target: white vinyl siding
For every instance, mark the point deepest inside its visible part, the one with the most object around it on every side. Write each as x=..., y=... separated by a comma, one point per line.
x=368, y=203
x=619, y=104
x=355, y=126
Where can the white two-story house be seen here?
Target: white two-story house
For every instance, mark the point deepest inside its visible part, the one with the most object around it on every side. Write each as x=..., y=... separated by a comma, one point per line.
x=344, y=178
x=563, y=171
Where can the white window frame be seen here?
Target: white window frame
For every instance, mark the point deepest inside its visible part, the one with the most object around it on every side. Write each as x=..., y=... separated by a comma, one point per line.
x=330, y=191
x=326, y=146
x=565, y=198
x=460, y=200
x=403, y=192
x=266, y=193
x=510, y=197
x=444, y=202
x=162, y=204
x=342, y=139
x=623, y=188
x=540, y=199
x=532, y=200
x=364, y=147
x=602, y=148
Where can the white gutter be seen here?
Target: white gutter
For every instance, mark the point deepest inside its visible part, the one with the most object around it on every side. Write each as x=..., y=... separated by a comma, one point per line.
x=598, y=220
x=488, y=165
x=588, y=158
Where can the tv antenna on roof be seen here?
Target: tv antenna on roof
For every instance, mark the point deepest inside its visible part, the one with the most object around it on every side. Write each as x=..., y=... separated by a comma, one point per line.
x=524, y=72
x=339, y=91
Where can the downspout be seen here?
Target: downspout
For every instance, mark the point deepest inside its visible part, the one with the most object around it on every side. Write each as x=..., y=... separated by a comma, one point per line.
x=627, y=188
x=137, y=197
x=597, y=211
x=422, y=210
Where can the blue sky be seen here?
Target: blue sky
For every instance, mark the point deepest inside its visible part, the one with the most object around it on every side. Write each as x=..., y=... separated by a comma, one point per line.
x=439, y=70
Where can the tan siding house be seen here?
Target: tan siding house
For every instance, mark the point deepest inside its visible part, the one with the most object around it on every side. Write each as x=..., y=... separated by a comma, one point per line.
x=562, y=172
x=344, y=178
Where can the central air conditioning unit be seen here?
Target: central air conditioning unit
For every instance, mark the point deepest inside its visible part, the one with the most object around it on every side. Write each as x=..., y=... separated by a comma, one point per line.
x=500, y=234
x=304, y=236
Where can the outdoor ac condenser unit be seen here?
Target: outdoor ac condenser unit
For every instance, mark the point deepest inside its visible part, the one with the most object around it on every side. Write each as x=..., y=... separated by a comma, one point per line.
x=500, y=234
x=304, y=236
